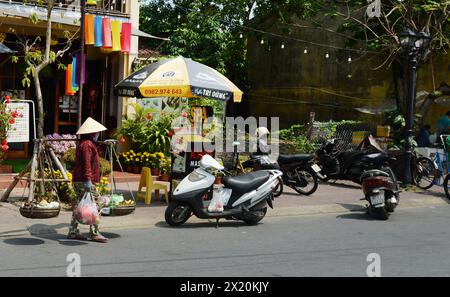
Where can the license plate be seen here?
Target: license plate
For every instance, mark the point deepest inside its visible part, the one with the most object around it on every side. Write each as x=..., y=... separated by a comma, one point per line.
x=316, y=168
x=377, y=198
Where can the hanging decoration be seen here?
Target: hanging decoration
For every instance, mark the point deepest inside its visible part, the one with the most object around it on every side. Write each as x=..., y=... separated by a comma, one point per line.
x=75, y=86
x=125, y=37
x=89, y=29
x=115, y=33
x=107, y=40
x=98, y=31
x=69, y=90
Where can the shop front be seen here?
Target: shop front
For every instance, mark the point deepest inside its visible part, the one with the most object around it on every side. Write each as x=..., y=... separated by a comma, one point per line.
x=105, y=65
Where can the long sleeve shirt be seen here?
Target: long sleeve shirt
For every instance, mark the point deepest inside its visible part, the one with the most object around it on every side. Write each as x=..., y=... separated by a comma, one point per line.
x=87, y=165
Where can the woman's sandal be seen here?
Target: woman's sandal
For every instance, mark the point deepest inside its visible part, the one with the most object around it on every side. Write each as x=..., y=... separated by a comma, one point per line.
x=98, y=238
x=76, y=237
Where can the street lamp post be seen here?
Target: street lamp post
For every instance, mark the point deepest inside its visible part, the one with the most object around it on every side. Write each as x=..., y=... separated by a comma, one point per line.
x=414, y=43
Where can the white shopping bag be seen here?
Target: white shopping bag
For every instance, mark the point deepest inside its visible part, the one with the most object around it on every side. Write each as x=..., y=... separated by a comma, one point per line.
x=219, y=200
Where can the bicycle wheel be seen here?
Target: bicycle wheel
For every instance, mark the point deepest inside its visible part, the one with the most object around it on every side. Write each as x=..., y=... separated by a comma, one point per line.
x=446, y=185
x=424, y=173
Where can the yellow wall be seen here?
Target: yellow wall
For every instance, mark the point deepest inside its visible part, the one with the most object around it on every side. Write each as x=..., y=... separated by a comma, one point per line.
x=290, y=84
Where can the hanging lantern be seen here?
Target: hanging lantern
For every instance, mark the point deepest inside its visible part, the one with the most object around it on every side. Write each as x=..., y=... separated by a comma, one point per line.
x=282, y=45
x=91, y=2
x=115, y=33
x=305, y=51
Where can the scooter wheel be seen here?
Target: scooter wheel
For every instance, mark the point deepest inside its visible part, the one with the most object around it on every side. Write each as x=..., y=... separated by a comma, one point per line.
x=379, y=213
x=279, y=189
x=255, y=216
x=177, y=213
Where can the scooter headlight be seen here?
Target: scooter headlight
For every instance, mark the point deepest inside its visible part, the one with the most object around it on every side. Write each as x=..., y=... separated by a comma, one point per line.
x=195, y=176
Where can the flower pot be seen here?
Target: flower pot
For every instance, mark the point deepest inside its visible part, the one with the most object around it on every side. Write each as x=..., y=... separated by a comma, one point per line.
x=164, y=177
x=155, y=171
x=218, y=180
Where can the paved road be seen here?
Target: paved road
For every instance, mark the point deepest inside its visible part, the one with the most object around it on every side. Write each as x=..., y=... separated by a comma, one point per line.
x=414, y=242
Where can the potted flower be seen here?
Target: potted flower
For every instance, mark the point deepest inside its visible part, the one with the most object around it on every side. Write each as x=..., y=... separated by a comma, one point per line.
x=218, y=179
x=155, y=161
x=165, y=169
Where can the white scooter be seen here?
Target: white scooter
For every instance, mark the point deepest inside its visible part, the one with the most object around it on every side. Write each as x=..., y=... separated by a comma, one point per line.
x=250, y=195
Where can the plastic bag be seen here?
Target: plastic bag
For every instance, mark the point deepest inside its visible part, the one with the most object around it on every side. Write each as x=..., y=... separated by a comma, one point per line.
x=115, y=200
x=219, y=200
x=86, y=212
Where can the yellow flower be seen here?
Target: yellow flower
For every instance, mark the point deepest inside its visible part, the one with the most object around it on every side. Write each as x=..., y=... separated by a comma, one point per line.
x=139, y=154
x=136, y=159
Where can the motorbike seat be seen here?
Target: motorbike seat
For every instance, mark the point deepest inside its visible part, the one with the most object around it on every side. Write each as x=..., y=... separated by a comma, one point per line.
x=247, y=182
x=377, y=157
x=294, y=158
x=374, y=173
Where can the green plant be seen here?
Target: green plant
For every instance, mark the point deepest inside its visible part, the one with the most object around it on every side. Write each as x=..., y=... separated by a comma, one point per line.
x=155, y=135
x=397, y=122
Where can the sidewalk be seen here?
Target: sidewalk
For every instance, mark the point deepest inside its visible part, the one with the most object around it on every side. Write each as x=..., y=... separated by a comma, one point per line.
x=329, y=199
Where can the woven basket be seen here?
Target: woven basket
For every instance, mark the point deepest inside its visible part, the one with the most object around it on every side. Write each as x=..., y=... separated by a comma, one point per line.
x=122, y=210
x=39, y=213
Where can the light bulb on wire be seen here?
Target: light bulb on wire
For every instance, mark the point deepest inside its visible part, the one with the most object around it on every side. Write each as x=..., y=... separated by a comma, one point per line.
x=349, y=59
x=282, y=45
x=305, y=51
x=179, y=16
x=241, y=36
x=262, y=41
x=327, y=55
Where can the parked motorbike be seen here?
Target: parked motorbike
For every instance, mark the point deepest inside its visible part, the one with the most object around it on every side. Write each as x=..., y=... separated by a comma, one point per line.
x=381, y=192
x=250, y=195
x=349, y=165
x=299, y=172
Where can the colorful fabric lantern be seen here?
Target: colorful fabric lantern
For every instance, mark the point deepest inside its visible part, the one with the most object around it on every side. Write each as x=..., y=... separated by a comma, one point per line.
x=89, y=29
x=107, y=41
x=126, y=37
x=91, y=2
x=78, y=69
x=74, y=74
x=115, y=33
x=69, y=90
x=98, y=31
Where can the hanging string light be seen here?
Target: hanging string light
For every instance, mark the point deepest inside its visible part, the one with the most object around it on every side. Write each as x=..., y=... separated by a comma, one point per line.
x=179, y=16
x=262, y=41
x=282, y=45
x=327, y=55
x=305, y=51
x=198, y=26
x=349, y=59
x=241, y=35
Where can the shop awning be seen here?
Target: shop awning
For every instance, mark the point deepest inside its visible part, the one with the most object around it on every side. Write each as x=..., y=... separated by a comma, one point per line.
x=137, y=32
x=5, y=50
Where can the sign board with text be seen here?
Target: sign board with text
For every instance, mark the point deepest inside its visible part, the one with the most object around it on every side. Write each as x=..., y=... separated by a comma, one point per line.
x=20, y=129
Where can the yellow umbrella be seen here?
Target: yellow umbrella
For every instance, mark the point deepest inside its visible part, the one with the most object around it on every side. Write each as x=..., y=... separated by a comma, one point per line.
x=179, y=77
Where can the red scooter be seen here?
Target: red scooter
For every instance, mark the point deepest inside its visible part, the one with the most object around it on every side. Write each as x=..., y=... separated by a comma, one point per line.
x=381, y=191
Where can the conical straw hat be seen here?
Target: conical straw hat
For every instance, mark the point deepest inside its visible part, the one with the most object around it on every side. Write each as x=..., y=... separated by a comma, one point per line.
x=90, y=126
